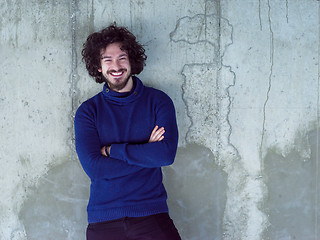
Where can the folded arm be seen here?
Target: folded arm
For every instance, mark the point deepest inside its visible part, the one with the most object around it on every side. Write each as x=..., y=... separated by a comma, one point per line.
x=88, y=145
x=156, y=136
x=154, y=153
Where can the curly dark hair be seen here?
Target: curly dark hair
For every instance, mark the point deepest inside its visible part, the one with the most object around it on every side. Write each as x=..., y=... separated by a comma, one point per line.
x=100, y=40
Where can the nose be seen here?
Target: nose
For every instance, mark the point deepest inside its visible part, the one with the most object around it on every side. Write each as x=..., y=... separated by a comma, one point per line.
x=116, y=65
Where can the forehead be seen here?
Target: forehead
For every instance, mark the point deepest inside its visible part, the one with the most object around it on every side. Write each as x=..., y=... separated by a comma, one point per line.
x=113, y=49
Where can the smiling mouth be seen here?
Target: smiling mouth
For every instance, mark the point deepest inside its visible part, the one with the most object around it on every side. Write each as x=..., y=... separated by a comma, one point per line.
x=117, y=73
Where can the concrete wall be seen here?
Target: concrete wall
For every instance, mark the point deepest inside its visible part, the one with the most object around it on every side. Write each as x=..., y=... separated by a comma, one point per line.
x=244, y=77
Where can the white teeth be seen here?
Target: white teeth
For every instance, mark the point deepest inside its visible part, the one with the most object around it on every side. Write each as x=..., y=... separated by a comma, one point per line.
x=116, y=73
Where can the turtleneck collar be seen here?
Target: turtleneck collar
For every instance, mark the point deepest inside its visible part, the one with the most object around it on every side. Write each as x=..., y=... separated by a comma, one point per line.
x=125, y=97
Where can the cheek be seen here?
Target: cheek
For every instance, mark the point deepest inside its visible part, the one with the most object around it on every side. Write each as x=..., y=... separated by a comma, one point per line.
x=128, y=66
x=103, y=69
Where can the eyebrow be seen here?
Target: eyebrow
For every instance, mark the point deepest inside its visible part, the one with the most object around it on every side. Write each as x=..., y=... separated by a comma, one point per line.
x=121, y=55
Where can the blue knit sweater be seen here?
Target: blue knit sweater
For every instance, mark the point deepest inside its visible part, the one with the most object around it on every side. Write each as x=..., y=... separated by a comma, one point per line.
x=129, y=182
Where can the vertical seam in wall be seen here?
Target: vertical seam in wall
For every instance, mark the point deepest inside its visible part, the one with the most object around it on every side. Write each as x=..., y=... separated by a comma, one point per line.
x=74, y=74
x=218, y=82
x=205, y=19
x=91, y=29
x=287, y=11
x=260, y=22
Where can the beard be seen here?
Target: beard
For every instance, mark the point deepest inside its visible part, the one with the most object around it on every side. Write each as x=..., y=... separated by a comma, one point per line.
x=117, y=84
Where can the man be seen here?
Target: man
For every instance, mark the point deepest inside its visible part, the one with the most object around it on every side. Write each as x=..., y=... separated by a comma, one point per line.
x=124, y=135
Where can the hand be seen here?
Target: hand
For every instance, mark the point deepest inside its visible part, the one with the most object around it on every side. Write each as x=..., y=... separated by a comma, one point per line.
x=157, y=134
x=105, y=151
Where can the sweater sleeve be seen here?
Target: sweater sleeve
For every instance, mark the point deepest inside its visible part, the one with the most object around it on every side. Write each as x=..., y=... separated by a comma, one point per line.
x=88, y=147
x=155, y=154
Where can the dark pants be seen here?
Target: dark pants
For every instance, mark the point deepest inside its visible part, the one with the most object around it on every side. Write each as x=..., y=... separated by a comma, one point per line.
x=154, y=227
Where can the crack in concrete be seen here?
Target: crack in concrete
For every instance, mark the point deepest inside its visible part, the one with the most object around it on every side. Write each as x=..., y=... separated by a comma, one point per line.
x=237, y=154
x=199, y=35
x=269, y=85
x=186, y=103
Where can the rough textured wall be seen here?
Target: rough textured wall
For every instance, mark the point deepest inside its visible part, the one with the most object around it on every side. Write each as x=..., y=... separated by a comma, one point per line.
x=35, y=105
x=275, y=116
x=244, y=77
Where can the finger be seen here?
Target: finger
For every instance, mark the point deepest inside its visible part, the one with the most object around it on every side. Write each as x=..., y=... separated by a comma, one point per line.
x=159, y=133
x=151, y=139
x=152, y=134
x=157, y=136
x=103, y=151
x=154, y=130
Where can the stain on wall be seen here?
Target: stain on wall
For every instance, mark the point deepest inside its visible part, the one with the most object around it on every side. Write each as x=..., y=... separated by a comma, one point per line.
x=55, y=209
x=196, y=188
x=293, y=195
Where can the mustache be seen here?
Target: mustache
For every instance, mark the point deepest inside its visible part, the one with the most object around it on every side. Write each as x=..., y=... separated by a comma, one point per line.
x=120, y=70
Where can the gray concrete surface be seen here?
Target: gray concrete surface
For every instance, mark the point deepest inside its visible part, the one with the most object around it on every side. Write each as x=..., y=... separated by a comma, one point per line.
x=244, y=77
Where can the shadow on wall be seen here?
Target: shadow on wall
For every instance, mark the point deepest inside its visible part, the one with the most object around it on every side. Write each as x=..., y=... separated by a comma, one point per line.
x=293, y=192
x=196, y=189
x=57, y=208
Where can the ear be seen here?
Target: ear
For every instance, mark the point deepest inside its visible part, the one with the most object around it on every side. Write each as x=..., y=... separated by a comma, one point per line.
x=99, y=70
